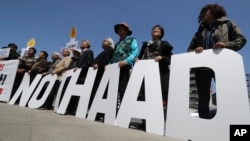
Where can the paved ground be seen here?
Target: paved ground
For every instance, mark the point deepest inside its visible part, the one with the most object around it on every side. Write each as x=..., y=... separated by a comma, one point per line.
x=24, y=124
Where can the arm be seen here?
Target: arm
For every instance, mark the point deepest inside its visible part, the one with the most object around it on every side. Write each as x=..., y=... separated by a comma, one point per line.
x=238, y=40
x=134, y=51
x=144, y=45
x=166, y=53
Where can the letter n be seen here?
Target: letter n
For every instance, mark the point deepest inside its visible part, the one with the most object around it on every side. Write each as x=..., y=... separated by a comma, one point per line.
x=25, y=90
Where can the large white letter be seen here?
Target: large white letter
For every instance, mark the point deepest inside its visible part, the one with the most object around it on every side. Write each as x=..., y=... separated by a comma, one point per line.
x=25, y=89
x=232, y=98
x=36, y=103
x=151, y=109
x=107, y=106
x=81, y=90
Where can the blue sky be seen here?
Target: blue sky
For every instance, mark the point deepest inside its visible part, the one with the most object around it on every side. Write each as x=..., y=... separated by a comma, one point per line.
x=49, y=21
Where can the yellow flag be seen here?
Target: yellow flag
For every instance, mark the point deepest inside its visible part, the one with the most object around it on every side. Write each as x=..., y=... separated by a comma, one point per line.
x=73, y=32
x=31, y=43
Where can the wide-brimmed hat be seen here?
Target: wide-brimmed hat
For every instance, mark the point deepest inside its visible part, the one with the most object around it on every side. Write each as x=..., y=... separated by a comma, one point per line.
x=124, y=25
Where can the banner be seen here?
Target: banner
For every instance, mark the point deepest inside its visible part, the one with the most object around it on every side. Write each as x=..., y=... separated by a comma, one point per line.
x=7, y=77
x=4, y=53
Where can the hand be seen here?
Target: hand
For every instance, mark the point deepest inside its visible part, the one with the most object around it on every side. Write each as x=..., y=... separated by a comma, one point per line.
x=20, y=70
x=158, y=58
x=95, y=66
x=75, y=69
x=122, y=63
x=136, y=59
x=198, y=49
x=219, y=45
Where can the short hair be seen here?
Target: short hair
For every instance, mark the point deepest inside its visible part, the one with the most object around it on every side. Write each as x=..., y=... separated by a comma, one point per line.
x=57, y=54
x=110, y=41
x=161, y=29
x=45, y=54
x=217, y=11
x=12, y=45
x=34, y=50
x=88, y=42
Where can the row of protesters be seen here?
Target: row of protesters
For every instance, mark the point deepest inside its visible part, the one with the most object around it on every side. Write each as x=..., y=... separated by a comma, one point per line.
x=214, y=32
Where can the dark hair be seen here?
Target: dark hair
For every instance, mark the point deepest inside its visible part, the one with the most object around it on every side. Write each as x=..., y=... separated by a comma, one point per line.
x=161, y=29
x=45, y=54
x=216, y=10
x=33, y=49
x=12, y=45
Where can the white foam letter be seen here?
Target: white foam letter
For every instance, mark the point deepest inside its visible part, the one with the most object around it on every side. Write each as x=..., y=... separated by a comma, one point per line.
x=107, y=106
x=37, y=103
x=81, y=90
x=151, y=109
x=25, y=90
x=232, y=98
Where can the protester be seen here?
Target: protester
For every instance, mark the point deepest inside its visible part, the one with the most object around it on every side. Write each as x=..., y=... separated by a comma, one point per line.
x=59, y=68
x=56, y=58
x=25, y=64
x=161, y=52
x=85, y=60
x=215, y=31
x=124, y=54
x=100, y=62
x=40, y=66
x=13, y=52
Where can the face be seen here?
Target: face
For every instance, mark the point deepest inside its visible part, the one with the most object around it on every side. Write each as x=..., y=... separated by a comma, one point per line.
x=54, y=57
x=122, y=31
x=156, y=33
x=31, y=52
x=41, y=55
x=65, y=53
x=76, y=54
x=207, y=17
x=84, y=45
x=12, y=49
x=105, y=43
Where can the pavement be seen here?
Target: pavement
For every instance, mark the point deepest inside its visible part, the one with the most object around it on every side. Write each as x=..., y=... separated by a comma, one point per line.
x=25, y=124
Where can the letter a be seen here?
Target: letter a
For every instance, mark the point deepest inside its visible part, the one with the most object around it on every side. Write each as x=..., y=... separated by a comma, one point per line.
x=151, y=109
x=106, y=106
x=237, y=132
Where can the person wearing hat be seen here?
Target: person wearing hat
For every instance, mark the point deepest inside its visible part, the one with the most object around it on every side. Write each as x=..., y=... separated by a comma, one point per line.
x=124, y=54
x=75, y=58
x=100, y=62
